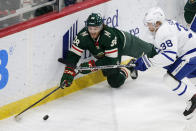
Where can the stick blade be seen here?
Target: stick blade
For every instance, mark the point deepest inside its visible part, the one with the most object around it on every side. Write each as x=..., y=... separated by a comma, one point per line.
x=18, y=118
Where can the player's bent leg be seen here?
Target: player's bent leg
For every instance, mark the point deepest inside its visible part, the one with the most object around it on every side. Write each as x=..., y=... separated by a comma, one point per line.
x=177, y=86
x=180, y=69
x=192, y=75
x=115, y=81
x=182, y=89
x=118, y=79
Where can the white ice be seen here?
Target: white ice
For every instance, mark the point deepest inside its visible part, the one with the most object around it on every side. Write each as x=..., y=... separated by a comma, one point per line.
x=145, y=104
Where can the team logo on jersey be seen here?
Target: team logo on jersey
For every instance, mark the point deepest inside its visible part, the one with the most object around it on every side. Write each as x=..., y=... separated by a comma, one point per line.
x=84, y=33
x=100, y=55
x=107, y=33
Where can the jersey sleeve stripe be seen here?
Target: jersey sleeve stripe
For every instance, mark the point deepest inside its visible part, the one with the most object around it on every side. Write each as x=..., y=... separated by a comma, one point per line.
x=172, y=52
x=177, y=86
x=126, y=73
x=183, y=91
x=76, y=50
x=113, y=55
x=111, y=51
x=190, y=51
x=167, y=57
x=146, y=61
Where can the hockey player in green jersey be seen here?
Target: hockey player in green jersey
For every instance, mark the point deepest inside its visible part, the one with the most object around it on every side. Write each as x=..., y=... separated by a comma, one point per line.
x=107, y=45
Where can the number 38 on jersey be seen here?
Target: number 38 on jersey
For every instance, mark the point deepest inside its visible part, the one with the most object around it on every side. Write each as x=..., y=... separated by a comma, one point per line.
x=166, y=44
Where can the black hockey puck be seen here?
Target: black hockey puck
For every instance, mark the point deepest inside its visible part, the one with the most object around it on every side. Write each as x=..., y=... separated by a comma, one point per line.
x=45, y=117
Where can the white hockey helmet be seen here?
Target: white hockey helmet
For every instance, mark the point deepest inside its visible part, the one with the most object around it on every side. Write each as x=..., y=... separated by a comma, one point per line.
x=153, y=15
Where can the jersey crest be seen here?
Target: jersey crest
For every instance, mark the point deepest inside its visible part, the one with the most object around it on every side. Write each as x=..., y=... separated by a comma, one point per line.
x=84, y=33
x=107, y=33
x=99, y=55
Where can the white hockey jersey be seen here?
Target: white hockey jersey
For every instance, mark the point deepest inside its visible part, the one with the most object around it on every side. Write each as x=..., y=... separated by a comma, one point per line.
x=173, y=40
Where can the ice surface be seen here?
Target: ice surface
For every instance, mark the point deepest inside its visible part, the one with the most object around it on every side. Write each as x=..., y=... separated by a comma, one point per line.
x=145, y=104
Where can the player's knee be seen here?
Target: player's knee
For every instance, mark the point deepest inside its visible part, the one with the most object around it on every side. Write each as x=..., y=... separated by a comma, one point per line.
x=115, y=84
x=116, y=81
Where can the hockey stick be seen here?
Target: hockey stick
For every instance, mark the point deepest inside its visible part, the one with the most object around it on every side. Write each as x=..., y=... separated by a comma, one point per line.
x=130, y=64
x=104, y=67
x=193, y=24
x=61, y=86
x=17, y=116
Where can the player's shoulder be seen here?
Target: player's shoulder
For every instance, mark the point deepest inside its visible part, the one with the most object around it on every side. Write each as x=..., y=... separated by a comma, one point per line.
x=167, y=29
x=108, y=33
x=82, y=38
x=83, y=33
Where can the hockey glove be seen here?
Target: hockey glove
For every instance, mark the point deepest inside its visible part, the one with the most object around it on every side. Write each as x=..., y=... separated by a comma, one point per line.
x=91, y=63
x=142, y=63
x=68, y=76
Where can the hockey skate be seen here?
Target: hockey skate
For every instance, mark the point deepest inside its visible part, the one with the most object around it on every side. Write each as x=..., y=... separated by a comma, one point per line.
x=191, y=105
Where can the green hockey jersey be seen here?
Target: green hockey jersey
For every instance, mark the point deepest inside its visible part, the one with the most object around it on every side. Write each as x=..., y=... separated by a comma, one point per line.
x=108, y=47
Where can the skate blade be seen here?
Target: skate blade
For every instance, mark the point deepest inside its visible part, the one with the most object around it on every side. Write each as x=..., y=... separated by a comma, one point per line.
x=189, y=117
x=17, y=118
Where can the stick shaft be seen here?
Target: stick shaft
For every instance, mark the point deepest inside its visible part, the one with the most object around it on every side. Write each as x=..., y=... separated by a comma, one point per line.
x=104, y=67
x=60, y=87
x=38, y=101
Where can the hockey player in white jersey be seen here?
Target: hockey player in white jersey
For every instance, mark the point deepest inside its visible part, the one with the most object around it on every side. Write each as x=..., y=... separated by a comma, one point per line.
x=177, y=54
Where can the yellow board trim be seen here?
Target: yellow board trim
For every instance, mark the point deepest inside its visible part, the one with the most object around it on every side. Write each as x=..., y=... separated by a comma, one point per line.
x=78, y=84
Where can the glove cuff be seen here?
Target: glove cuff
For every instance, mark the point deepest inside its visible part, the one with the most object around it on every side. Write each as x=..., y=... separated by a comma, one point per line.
x=146, y=61
x=70, y=70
